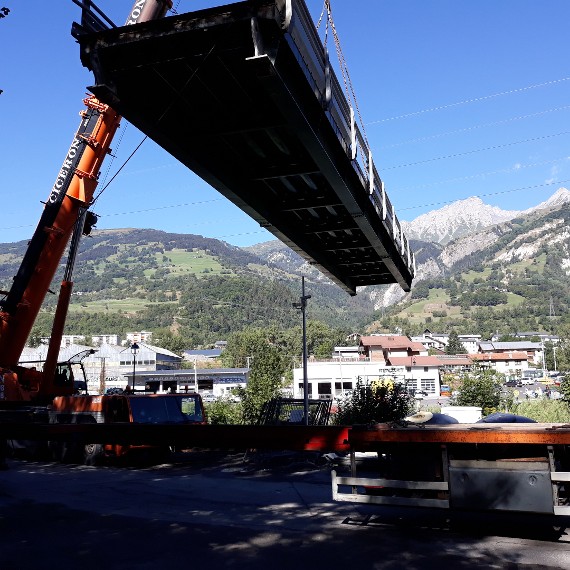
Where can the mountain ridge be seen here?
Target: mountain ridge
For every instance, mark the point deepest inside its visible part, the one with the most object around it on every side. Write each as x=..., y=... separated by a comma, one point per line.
x=206, y=287
x=470, y=215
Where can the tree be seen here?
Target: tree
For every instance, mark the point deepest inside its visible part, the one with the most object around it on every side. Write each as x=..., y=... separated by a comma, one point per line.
x=267, y=367
x=564, y=388
x=34, y=341
x=171, y=341
x=549, y=355
x=454, y=345
x=481, y=388
x=383, y=402
x=321, y=339
x=563, y=349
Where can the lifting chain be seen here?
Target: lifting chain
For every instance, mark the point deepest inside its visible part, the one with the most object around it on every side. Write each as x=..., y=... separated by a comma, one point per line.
x=349, y=89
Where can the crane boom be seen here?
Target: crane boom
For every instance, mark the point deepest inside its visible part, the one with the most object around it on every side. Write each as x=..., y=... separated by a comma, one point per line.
x=71, y=194
x=73, y=189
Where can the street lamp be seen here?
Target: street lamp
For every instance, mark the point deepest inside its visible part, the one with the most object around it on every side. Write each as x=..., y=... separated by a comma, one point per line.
x=134, y=350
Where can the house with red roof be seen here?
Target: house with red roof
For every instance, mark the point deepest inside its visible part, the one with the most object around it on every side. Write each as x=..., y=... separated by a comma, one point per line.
x=421, y=372
x=379, y=348
x=509, y=363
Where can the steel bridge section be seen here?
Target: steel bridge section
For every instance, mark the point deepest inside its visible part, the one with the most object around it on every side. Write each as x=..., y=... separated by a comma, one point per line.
x=244, y=96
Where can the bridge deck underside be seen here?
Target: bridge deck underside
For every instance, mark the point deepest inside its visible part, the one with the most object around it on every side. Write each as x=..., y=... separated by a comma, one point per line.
x=252, y=128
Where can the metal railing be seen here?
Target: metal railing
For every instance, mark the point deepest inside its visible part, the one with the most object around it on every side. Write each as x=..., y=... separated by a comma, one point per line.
x=313, y=58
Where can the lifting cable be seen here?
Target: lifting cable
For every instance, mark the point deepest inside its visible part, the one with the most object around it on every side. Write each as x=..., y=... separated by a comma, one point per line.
x=168, y=107
x=348, y=87
x=118, y=171
x=174, y=10
x=110, y=164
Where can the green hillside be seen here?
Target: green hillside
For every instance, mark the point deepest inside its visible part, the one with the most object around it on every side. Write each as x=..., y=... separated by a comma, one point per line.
x=193, y=288
x=199, y=290
x=495, y=289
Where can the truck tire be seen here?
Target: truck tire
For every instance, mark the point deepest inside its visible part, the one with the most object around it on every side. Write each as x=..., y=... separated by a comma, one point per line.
x=93, y=454
x=72, y=450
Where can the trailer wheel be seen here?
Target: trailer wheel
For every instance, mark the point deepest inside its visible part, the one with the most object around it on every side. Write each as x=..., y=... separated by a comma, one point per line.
x=93, y=454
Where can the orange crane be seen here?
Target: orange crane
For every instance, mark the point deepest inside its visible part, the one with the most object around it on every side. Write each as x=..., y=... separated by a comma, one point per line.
x=66, y=214
x=46, y=395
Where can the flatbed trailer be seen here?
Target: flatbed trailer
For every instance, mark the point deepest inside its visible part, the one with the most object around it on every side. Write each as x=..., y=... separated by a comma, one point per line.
x=187, y=436
x=522, y=468
x=513, y=468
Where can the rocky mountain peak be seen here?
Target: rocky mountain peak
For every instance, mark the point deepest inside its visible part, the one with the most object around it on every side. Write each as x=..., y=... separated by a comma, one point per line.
x=560, y=197
x=456, y=220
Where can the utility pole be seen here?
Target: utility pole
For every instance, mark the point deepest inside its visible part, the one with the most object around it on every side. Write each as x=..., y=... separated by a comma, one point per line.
x=102, y=374
x=302, y=306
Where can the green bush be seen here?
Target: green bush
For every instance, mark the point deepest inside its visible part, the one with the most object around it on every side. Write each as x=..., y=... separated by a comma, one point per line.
x=482, y=388
x=543, y=410
x=223, y=411
x=564, y=388
x=374, y=404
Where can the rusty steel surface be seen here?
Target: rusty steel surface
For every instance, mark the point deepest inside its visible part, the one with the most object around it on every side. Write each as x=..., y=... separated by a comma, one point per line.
x=297, y=438
x=539, y=434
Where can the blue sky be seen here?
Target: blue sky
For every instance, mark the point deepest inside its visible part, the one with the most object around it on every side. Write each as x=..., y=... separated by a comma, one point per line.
x=458, y=98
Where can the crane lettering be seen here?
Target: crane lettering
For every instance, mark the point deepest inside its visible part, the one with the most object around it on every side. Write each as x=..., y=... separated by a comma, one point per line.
x=67, y=165
x=136, y=12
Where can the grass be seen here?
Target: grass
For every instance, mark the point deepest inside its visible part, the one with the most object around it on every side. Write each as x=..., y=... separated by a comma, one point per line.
x=543, y=411
x=181, y=261
x=513, y=300
x=129, y=305
x=177, y=261
x=437, y=301
x=535, y=265
x=470, y=276
x=6, y=258
x=436, y=296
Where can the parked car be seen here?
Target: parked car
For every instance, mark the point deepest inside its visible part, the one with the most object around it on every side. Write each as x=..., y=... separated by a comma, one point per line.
x=513, y=383
x=527, y=381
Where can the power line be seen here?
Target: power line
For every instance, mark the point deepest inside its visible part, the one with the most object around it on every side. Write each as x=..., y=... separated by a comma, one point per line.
x=455, y=155
x=473, y=128
x=466, y=101
x=184, y=204
x=262, y=231
x=481, y=174
x=553, y=183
